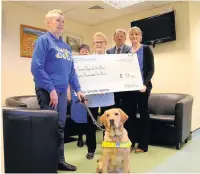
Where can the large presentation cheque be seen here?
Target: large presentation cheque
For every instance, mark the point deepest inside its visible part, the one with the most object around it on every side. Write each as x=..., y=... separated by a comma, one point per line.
x=108, y=73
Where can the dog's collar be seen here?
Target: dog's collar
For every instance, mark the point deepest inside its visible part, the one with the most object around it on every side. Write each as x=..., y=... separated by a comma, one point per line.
x=116, y=144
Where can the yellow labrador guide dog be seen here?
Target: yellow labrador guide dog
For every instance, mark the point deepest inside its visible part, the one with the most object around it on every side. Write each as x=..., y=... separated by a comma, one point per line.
x=116, y=145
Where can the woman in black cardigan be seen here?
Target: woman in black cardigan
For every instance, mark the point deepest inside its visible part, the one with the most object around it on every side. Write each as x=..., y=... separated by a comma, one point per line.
x=138, y=100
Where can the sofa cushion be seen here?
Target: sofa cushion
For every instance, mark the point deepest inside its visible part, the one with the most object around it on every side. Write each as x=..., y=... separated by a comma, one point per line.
x=163, y=118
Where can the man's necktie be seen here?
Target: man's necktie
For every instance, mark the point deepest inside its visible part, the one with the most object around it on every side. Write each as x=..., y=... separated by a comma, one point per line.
x=118, y=50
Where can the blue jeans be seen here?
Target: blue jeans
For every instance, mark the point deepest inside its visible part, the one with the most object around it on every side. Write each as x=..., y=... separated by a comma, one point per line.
x=44, y=100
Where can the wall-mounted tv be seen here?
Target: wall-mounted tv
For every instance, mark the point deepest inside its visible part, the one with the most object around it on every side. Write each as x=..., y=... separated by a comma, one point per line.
x=157, y=29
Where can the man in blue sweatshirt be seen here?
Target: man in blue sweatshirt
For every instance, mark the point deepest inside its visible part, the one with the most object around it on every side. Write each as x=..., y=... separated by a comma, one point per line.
x=53, y=69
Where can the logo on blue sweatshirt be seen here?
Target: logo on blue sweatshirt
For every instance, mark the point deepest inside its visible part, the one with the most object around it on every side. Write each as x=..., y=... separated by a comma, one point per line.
x=63, y=53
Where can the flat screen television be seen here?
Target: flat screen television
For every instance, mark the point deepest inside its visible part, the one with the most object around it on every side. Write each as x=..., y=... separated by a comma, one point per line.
x=157, y=29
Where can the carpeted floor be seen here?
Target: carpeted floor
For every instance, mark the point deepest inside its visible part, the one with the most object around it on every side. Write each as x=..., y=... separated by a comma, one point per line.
x=157, y=160
x=187, y=160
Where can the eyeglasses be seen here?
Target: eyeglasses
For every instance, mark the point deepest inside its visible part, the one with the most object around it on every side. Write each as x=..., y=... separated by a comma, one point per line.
x=100, y=42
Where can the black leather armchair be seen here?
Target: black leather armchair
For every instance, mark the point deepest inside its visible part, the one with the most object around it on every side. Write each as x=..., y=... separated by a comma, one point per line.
x=30, y=140
x=170, y=116
x=30, y=101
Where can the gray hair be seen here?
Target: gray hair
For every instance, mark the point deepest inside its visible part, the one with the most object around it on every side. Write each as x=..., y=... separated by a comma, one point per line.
x=120, y=30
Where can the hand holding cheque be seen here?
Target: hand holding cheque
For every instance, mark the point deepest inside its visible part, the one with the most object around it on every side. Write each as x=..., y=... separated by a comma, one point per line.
x=108, y=73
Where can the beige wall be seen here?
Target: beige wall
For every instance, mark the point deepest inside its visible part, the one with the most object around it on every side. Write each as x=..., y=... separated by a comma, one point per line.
x=16, y=75
x=195, y=59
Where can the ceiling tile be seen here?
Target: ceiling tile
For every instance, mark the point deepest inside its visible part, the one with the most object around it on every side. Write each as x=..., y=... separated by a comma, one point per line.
x=79, y=10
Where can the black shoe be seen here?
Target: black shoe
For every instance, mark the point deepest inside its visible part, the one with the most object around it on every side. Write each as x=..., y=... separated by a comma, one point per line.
x=142, y=147
x=66, y=167
x=90, y=155
x=80, y=143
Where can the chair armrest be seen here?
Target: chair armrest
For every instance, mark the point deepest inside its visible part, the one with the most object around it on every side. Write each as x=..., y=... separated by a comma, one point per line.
x=183, y=114
x=11, y=102
x=27, y=112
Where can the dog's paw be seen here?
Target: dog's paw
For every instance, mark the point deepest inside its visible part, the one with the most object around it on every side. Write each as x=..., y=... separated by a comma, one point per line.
x=99, y=171
x=99, y=166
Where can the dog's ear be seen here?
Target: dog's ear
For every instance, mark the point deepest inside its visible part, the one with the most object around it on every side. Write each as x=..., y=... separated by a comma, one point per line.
x=124, y=116
x=103, y=119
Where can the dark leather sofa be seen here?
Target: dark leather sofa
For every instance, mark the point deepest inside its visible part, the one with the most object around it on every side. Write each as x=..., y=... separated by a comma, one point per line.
x=170, y=116
x=30, y=101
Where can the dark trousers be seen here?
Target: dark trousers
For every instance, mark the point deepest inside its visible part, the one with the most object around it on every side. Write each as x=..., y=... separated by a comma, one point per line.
x=44, y=100
x=91, y=128
x=81, y=128
x=118, y=98
x=138, y=130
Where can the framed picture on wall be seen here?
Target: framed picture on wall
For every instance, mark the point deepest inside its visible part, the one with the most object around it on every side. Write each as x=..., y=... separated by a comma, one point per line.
x=28, y=36
x=74, y=42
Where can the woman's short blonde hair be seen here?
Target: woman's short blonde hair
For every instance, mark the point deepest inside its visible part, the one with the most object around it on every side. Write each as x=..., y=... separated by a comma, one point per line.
x=52, y=13
x=135, y=29
x=100, y=34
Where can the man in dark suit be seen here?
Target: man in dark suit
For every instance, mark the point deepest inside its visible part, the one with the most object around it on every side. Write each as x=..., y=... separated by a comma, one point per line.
x=119, y=48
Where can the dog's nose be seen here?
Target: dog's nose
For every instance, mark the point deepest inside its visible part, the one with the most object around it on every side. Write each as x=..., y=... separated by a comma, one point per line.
x=111, y=121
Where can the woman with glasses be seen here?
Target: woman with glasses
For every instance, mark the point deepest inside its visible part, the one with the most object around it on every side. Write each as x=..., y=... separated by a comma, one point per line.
x=96, y=101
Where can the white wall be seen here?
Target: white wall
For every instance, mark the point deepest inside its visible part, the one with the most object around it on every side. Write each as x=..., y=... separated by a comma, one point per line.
x=16, y=75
